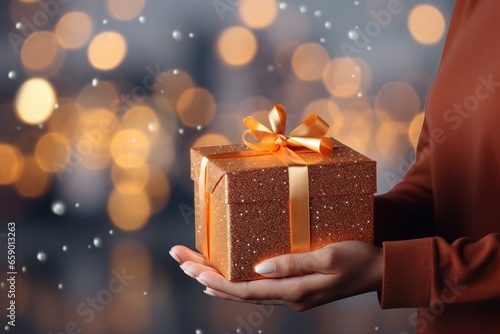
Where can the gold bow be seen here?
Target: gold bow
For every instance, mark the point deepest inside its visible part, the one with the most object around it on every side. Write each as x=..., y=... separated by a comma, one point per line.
x=310, y=134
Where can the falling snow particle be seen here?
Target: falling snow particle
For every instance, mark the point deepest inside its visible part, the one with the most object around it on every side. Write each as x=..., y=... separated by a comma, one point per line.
x=317, y=13
x=58, y=208
x=328, y=25
x=60, y=286
x=56, y=106
x=353, y=34
x=19, y=25
x=111, y=232
x=41, y=257
x=12, y=75
x=198, y=127
x=2, y=285
x=322, y=40
x=23, y=269
x=376, y=328
x=145, y=293
x=191, y=35
x=95, y=82
x=181, y=131
x=283, y=5
x=356, y=3
x=142, y=19
x=104, y=21
x=97, y=242
x=175, y=71
x=303, y=9
x=77, y=205
x=65, y=248
x=177, y=35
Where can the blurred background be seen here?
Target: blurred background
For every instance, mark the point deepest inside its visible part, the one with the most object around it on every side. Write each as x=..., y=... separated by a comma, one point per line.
x=100, y=102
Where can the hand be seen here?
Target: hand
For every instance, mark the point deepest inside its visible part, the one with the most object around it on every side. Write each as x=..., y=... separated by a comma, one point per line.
x=298, y=281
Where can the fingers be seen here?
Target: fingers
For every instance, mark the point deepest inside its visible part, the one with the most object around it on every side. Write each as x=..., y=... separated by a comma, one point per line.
x=194, y=269
x=182, y=254
x=222, y=295
x=289, y=265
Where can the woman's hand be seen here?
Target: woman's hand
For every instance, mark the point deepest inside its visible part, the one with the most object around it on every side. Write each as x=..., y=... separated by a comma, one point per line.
x=298, y=281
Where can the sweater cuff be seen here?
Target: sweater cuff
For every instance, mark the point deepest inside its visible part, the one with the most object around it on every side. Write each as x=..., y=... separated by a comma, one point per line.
x=407, y=273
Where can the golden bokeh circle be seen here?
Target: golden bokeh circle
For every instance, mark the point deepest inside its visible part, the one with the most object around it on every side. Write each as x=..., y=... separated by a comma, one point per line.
x=237, y=46
x=125, y=10
x=35, y=101
x=129, y=212
x=11, y=164
x=130, y=148
x=196, y=107
x=426, y=24
x=73, y=30
x=33, y=181
x=342, y=77
x=107, y=50
x=40, y=50
x=51, y=150
x=258, y=14
x=309, y=61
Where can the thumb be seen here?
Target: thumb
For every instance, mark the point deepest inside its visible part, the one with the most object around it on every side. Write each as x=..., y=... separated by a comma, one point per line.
x=296, y=264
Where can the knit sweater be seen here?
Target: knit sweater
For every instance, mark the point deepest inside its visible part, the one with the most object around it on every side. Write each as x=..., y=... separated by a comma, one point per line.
x=440, y=226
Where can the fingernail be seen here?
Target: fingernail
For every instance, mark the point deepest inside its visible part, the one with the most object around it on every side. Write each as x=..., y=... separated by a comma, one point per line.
x=189, y=274
x=265, y=268
x=201, y=281
x=208, y=293
x=174, y=256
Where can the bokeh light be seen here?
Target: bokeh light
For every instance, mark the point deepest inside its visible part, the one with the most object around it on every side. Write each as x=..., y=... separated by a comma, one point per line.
x=414, y=129
x=309, y=61
x=342, y=77
x=33, y=181
x=144, y=119
x=170, y=86
x=258, y=14
x=42, y=52
x=73, y=30
x=237, y=46
x=396, y=104
x=426, y=24
x=52, y=151
x=130, y=180
x=158, y=189
x=130, y=148
x=211, y=139
x=129, y=212
x=125, y=9
x=107, y=50
x=11, y=164
x=196, y=107
x=103, y=95
x=92, y=140
x=35, y=101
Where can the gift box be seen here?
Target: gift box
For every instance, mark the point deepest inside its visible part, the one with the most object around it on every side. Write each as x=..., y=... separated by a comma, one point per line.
x=249, y=206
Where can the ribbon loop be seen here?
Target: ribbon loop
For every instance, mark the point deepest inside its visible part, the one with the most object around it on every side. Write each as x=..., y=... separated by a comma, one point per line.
x=310, y=133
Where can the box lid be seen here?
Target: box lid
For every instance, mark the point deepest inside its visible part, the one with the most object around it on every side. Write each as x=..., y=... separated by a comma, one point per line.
x=265, y=177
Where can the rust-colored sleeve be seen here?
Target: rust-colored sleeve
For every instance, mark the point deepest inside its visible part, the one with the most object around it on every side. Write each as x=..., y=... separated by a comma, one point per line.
x=430, y=271
x=406, y=212
x=420, y=269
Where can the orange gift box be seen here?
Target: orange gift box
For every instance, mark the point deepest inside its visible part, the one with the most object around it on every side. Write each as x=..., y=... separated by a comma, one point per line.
x=245, y=201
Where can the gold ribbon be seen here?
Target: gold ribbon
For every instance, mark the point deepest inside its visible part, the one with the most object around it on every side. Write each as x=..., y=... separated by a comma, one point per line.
x=309, y=134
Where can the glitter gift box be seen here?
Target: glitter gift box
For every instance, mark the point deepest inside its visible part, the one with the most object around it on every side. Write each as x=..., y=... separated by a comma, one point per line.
x=246, y=204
